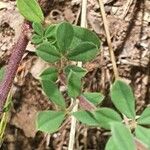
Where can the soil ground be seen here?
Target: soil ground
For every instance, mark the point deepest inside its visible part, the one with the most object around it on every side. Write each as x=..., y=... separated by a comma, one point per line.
x=129, y=25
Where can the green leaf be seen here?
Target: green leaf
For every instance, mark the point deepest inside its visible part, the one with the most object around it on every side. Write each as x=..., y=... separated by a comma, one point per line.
x=64, y=36
x=111, y=145
x=31, y=10
x=36, y=39
x=74, y=84
x=143, y=134
x=48, y=52
x=51, y=90
x=86, y=117
x=122, y=137
x=50, y=31
x=2, y=71
x=84, y=35
x=94, y=97
x=38, y=28
x=123, y=98
x=105, y=116
x=145, y=117
x=49, y=121
x=49, y=74
x=83, y=52
x=80, y=71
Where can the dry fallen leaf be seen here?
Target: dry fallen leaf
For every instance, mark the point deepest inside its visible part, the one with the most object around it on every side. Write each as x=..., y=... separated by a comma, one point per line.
x=25, y=120
x=3, y=5
x=12, y=17
x=75, y=2
x=38, y=67
x=69, y=15
x=94, y=20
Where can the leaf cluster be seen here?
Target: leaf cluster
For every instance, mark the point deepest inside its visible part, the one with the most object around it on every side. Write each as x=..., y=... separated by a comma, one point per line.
x=61, y=44
x=65, y=41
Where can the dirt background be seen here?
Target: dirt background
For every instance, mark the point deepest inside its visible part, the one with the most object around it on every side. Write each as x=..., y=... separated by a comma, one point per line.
x=129, y=25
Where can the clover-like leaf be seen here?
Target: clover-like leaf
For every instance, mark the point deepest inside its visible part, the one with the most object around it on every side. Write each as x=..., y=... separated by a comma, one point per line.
x=84, y=35
x=36, y=39
x=64, y=36
x=123, y=98
x=145, y=117
x=52, y=91
x=80, y=71
x=31, y=10
x=84, y=52
x=38, y=28
x=49, y=74
x=105, y=116
x=122, y=137
x=94, y=97
x=86, y=117
x=74, y=84
x=143, y=134
x=49, y=121
x=50, y=31
x=48, y=52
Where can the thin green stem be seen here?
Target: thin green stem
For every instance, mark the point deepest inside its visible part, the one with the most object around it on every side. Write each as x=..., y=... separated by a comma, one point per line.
x=5, y=117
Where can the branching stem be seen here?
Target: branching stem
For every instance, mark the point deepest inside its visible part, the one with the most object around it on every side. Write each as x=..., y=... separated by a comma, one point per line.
x=79, y=64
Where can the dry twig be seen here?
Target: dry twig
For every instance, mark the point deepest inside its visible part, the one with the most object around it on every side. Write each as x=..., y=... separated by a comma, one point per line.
x=111, y=52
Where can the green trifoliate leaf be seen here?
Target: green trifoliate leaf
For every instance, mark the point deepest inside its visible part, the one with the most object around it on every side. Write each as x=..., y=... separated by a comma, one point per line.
x=64, y=36
x=38, y=28
x=50, y=31
x=105, y=116
x=49, y=121
x=123, y=98
x=2, y=71
x=84, y=52
x=36, y=39
x=86, y=117
x=48, y=52
x=31, y=10
x=52, y=91
x=84, y=35
x=94, y=97
x=49, y=74
x=145, y=117
x=111, y=145
x=74, y=84
x=122, y=137
x=143, y=134
x=80, y=71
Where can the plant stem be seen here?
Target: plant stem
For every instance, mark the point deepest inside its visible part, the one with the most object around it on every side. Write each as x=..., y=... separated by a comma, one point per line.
x=4, y=118
x=111, y=52
x=79, y=64
x=73, y=127
x=11, y=69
